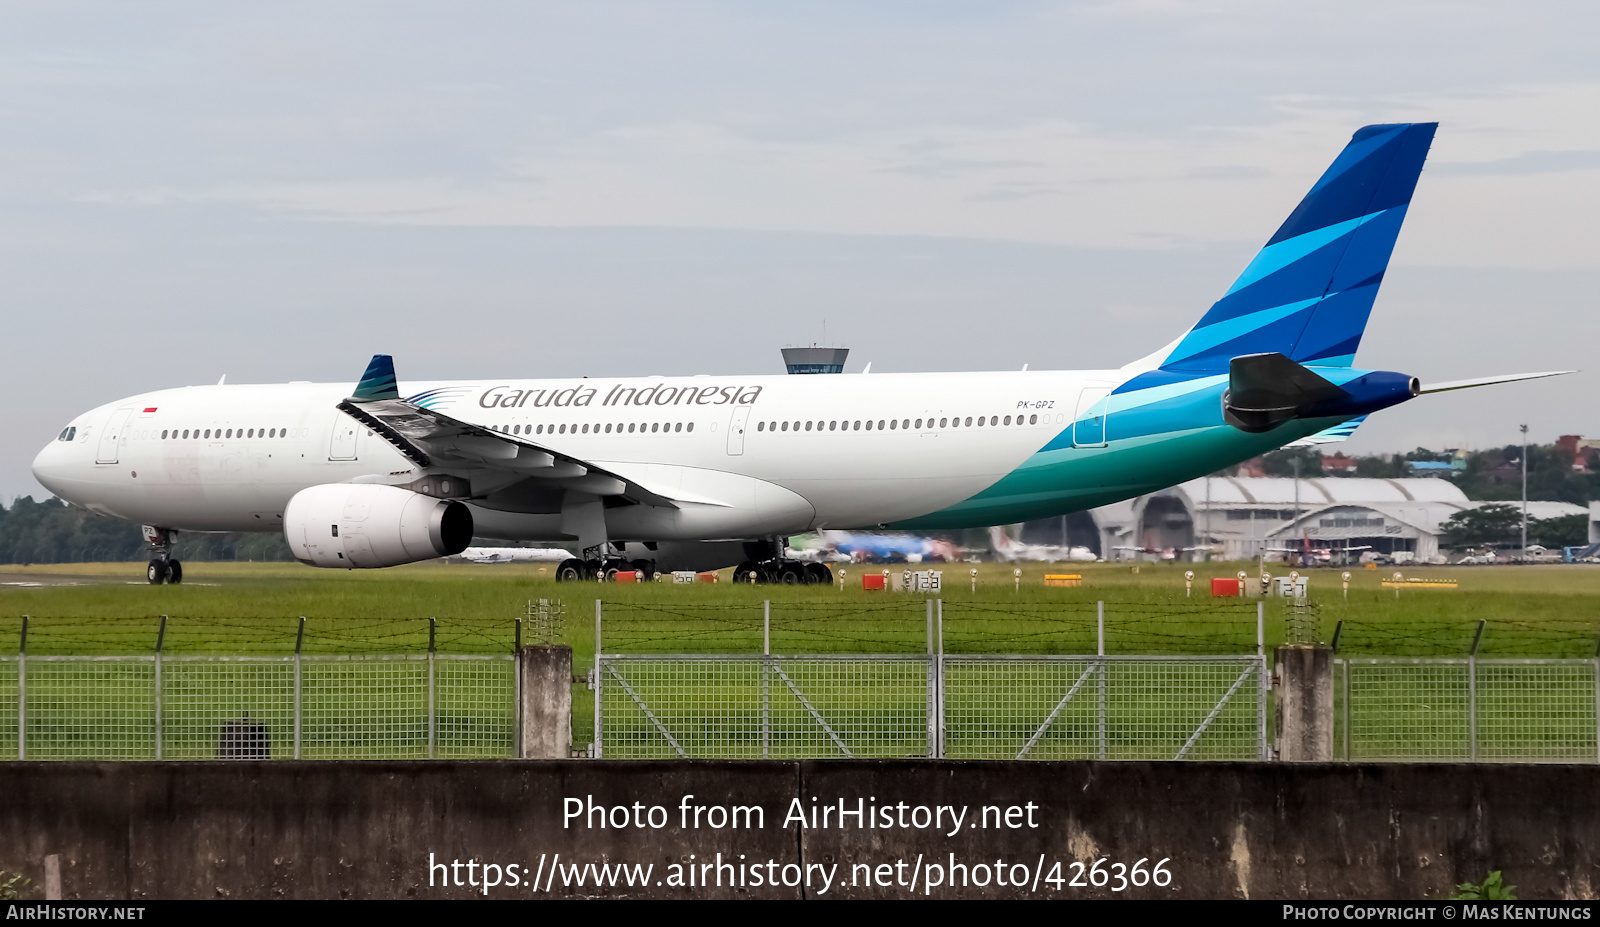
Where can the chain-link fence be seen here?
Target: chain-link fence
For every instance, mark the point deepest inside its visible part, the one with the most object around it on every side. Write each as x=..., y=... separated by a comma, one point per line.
x=257, y=707
x=1463, y=709
x=972, y=705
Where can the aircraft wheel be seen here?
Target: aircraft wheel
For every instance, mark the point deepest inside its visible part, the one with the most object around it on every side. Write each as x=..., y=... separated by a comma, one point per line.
x=174, y=572
x=820, y=574
x=157, y=572
x=792, y=574
x=745, y=573
x=570, y=571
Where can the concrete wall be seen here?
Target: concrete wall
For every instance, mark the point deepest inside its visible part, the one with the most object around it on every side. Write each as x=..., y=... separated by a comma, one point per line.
x=366, y=830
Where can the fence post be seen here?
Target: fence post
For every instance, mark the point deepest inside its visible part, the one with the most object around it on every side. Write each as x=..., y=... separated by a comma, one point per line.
x=1596, y=671
x=161, y=635
x=938, y=627
x=1263, y=682
x=1305, y=703
x=595, y=682
x=546, y=710
x=432, y=714
x=766, y=660
x=1472, y=693
x=516, y=688
x=932, y=685
x=299, y=641
x=1100, y=701
x=21, y=694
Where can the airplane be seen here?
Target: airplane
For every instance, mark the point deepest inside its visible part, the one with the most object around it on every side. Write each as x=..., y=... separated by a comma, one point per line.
x=1308, y=556
x=861, y=547
x=515, y=555
x=705, y=472
x=1161, y=553
x=1006, y=549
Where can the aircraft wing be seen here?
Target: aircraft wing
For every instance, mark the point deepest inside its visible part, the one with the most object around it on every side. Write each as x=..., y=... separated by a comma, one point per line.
x=431, y=439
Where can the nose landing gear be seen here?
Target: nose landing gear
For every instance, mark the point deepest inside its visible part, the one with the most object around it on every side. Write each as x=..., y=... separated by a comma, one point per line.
x=162, y=568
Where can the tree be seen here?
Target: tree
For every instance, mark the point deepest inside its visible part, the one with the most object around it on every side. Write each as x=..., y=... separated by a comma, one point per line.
x=1562, y=531
x=1485, y=526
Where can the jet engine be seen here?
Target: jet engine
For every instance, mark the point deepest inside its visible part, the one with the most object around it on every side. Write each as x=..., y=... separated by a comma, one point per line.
x=357, y=526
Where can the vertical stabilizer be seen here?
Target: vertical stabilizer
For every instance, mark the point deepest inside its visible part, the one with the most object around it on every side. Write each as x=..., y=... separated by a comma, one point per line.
x=1309, y=291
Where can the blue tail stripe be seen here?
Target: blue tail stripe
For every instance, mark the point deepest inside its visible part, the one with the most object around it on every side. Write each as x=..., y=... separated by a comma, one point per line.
x=1276, y=257
x=1203, y=339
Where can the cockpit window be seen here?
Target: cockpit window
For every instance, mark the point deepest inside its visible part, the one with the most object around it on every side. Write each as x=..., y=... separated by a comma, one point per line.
x=68, y=433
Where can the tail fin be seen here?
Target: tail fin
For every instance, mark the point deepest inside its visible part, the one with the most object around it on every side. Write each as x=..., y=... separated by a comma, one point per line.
x=1308, y=293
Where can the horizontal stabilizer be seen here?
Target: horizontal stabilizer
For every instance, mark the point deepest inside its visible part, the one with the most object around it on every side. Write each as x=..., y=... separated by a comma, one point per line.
x=1269, y=382
x=1339, y=432
x=1489, y=381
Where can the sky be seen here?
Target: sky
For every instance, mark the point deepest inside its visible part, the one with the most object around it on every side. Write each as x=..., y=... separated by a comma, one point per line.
x=276, y=192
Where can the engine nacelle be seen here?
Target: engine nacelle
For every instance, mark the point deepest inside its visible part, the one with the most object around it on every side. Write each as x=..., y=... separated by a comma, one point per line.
x=358, y=526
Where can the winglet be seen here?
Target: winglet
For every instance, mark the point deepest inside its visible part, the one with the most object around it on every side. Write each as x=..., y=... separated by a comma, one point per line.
x=378, y=382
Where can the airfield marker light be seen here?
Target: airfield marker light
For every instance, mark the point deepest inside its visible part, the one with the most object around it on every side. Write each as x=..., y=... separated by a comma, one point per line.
x=1266, y=583
x=1242, y=587
x=1188, y=583
x=1346, y=577
x=974, y=579
x=841, y=580
x=1017, y=574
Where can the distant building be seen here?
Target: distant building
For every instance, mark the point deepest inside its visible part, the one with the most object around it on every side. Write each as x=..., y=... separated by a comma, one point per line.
x=1243, y=515
x=815, y=359
x=1335, y=464
x=1432, y=468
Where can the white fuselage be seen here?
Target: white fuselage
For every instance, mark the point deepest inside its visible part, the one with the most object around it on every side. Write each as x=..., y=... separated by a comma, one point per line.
x=742, y=456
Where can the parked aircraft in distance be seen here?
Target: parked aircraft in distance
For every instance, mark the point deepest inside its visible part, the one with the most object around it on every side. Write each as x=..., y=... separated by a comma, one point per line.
x=861, y=547
x=1007, y=549
x=1161, y=553
x=515, y=555
x=704, y=472
x=1309, y=555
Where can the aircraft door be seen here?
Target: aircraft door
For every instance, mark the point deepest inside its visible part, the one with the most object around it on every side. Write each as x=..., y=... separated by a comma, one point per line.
x=342, y=444
x=112, y=436
x=1089, y=423
x=736, y=431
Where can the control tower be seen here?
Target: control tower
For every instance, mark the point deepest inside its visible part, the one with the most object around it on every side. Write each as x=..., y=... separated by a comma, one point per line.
x=815, y=359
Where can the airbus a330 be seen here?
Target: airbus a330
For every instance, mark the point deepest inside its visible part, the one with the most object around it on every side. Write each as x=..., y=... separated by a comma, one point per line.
x=706, y=472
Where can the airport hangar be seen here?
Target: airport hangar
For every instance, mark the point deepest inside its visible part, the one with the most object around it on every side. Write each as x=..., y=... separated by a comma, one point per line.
x=1245, y=514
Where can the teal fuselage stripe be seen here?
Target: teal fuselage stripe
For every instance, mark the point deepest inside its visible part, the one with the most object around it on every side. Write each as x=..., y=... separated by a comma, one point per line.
x=1150, y=447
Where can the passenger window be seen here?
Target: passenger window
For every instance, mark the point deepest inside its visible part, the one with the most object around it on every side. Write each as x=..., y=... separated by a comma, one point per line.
x=892, y=424
x=1008, y=420
x=808, y=426
x=678, y=427
x=1033, y=419
x=785, y=426
x=857, y=426
x=942, y=421
x=919, y=423
x=691, y=427
x=880, y=424
x=761, y=426
x=869, y=424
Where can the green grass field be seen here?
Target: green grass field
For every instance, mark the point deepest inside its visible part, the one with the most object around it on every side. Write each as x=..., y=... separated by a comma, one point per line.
x=255, y=609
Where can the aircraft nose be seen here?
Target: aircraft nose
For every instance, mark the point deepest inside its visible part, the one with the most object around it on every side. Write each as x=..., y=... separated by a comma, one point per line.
x=51, y=465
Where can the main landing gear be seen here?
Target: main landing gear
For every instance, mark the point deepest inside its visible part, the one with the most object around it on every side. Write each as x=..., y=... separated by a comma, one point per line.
x=575, y=570
x=783, y=573
x=162, y=568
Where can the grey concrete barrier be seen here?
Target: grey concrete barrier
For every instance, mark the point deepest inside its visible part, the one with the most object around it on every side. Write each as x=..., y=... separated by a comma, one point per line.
x=799, y=829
